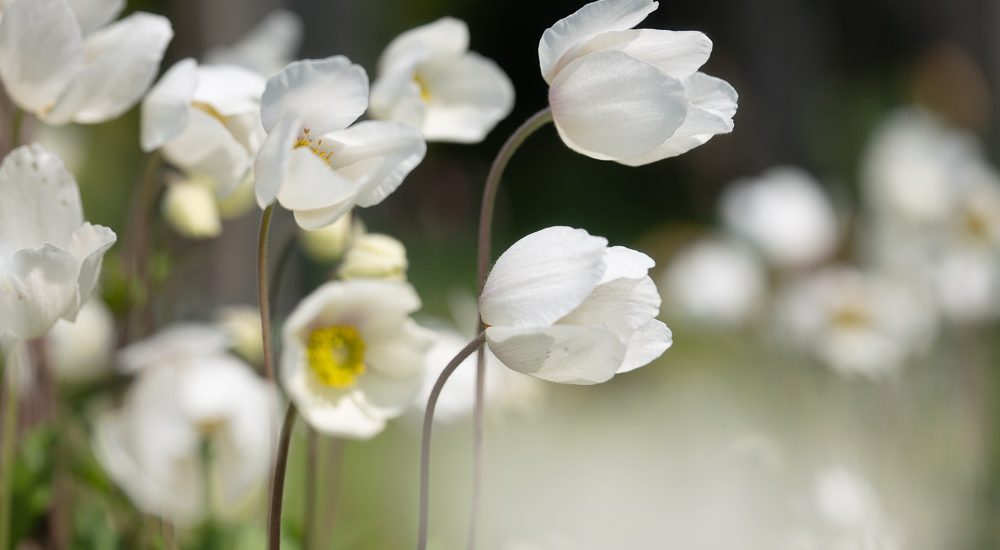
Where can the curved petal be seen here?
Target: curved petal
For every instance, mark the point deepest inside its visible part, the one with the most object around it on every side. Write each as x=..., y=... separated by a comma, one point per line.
x=228, y=89
x=207, y=148
x=38, y=287
x=273, y=160
x=621, y=306
x=41, y=51
x=123, y=59
x=561, y=353
x=388, y=396
x=94, y=14
x=646, y=344
x=312, y=183
x=326, y=94
x=312, y=220
x=396, y=96
x=377, y=156
x=361, y=303
x=165, y=108
x=267, y=47
x=467, y=98
x=440, y=40
x=542, y=277
x=676, y=53
x=589, y=21
x=39, y=199
x=399, y=353
x=609, y=105
x=88, y=245
x=622, y=262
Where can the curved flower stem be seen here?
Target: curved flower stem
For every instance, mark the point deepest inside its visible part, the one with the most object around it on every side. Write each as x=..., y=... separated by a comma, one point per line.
x=139, y=230
x=536, y=121
x=7, y=448
x=425, y=439
x=263, y=299
x=278, y=481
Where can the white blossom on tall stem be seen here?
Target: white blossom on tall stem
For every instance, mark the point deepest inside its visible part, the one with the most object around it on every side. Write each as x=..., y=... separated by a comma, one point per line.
x=430, y=80
x=65, y=61
x=634, y=96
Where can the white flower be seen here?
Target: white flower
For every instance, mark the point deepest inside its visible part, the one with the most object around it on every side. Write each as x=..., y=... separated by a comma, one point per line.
x=81, y=351
x=631, y=95
x=850, y=509
x=50, y=258
x=176, y=344
x=786, y=214
x=328, y=244
x=312, y=162
x=194, y=436
x=430, y=80
x=266, y=48
x=242, y=323
x=63, y=62
x=374, y=256
x=715, y=281
x=562, y=306
x=190, y=207
x=352, y=358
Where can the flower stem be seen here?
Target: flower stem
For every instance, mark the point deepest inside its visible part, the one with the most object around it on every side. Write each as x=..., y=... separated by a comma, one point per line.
x=309, y=521
x=8, y=445
x=425, y=440
x=263, y=299
x=278, y=481
x=514, y=142
x=140, y=231
x=16, y=123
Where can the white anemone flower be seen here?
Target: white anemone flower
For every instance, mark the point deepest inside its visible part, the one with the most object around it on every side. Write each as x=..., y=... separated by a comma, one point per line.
x=786, y=214
x=81, y=351
x=430, y=80
x=266, y=48
x=352, y=357
x=562, y=306
x=634, y=96
x=314, y=162
x=50, y=258
x=64, y=61
x=194, y=436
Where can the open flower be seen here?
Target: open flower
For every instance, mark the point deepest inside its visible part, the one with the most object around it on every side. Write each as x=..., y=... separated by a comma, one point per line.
x=562, y=306
x=352, y=357
x=49, y=257
x=430, y=80
x=63, y=62
x=311, y=161
x=631, y=95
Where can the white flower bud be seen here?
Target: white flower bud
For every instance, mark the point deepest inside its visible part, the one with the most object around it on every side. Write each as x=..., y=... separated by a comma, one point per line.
x=189, y=207
x=328, y=244
x=375, y=256
x=81, y=351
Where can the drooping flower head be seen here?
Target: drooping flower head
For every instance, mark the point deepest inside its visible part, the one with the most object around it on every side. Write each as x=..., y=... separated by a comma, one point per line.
x=634, y=96
x=562, y=306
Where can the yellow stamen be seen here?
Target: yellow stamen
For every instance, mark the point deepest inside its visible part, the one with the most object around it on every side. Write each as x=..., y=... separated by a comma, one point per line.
x=425, y=92
x=208, y=109
x=305, y=140
x=336, y=355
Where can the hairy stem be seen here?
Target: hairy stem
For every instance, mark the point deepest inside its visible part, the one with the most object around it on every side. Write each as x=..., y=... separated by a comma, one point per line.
x=263, y=298
x=278, y=481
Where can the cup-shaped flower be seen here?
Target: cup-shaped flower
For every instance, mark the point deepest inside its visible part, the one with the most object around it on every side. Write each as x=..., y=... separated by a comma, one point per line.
x=634, y=96
x=563, y=306
x=314, y=162
x=352, y=356
x=63, y=62
x=430, y=80
x=50, y=258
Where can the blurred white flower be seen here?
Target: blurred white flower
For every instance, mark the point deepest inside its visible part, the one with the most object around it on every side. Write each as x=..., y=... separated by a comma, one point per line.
x=715, y=281
x=190, y=207
x=634, y=96
x=65, y=61
x=850, y=515
x=430, y=80
x=314, y=162
x=457, y=399
x=374, y=256
x=328, y=244
x=174, y=345
x=194, y=436
x=352, y=357
x=50, y=258
x=266, y=48
x=786, y=214
x=242, y=324
x=562, y=306
x=80, y=351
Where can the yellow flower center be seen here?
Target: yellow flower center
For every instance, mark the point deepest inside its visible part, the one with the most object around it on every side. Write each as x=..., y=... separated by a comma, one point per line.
x=425, y=92
x=336, y=355
x=306, y=140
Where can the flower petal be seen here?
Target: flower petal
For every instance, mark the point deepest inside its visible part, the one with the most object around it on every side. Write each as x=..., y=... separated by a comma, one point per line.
x=621, y=306
x=610, y=105
x=273, y=160
x=399, y=353
x=88, y=245
x=37, y=287
x=388, y=396
x=467, y=98
x=676, y=53
x=312, y=183
x=396, y=96
x=621, y=262
x=206, y=148
x=228, y=89
x=562, y=353
x=542, y=277
x=589, y=21
x=646, y=344
x=312, y=220
x=326, y=94
x=94, y=14
x=376, y=155
x=39, y=199
x=441, y=40
x=41, y=51
x=267, y=47
x=165, y=108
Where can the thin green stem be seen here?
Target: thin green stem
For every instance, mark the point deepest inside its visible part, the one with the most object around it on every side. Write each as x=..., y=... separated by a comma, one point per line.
x=278, y=481
x=16, y=123
x=263, y=299
x=425, y=439
x=9, y=445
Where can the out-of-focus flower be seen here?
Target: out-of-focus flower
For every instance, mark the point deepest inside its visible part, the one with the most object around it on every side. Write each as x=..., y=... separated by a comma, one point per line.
x=562, y=306
x=266, y=48
x=50, y=258
x=850, y=514
x=716, y=282
x=329, y=243
x=64, y=61
x=242, y=323
x=634, y=96
x=430, y=80
x=194, y=436
x=858, y=323
x=457, y=398
x=190, y=207
x=352, y=356
x=174, y=345
x=374, y=256
x=786, y=214
x=80, y=351
x=314, y=162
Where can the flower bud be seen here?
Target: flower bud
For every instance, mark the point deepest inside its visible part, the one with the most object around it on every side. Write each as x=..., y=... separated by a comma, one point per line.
x=375, y=256
x=189, y=207
x=328, y=244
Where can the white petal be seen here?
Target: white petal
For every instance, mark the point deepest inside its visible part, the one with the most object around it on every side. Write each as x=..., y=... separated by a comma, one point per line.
x=357, y=302
x=312, y=183
x=206, y=148
x=267, y=47
x=646, y=344
x=273, y=160
x=191, y=209
x=396, y=96
x=88, y=245
x=621, y=262
x=37, y=288
x=313, y=220
x=562, y=353
x=443, y=39
x=94, y=14
x=175, y=344
x=41, y=51
x=229, y=89
x=609, y=105
x=81, y=351
x=165, y=108
x=468, y=97
x=388, y=396
x=122, y=61
x=326, y=94
x=676, y=53
x=621, y=306
x=39, y=200
x=377, y=156
x=542, y=277
x=589, y=21
x=399, y=353
x=713, y=104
